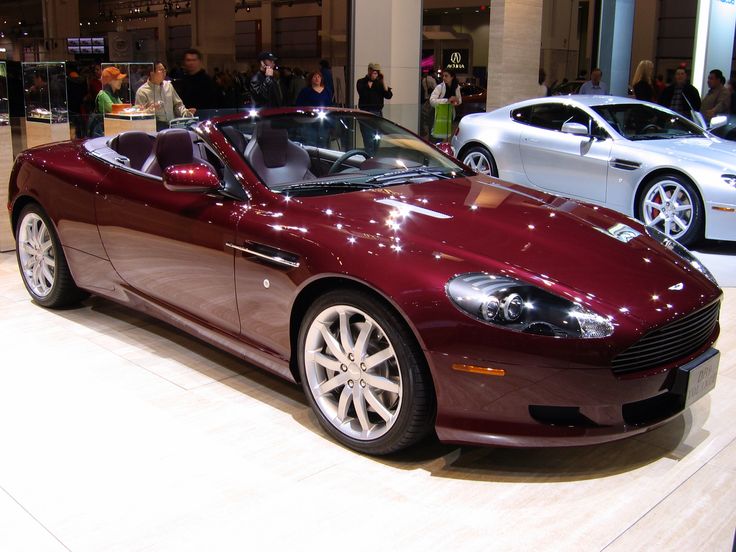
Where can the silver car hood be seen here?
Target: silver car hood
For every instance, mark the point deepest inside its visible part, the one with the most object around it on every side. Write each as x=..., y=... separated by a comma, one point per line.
x=714, y=151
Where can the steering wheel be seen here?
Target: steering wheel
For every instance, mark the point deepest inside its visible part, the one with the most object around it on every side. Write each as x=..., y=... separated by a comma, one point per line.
x=651, y=127
x=344, y=157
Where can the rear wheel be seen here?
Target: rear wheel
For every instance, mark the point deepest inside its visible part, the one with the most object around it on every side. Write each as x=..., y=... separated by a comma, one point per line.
x=41, y=260
x=363, y=374
x=671, y=204
x=480, y=160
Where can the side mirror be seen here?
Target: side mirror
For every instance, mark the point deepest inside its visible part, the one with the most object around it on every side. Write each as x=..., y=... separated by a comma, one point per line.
x=192, y=177
x=718, y=121
x=575, y=128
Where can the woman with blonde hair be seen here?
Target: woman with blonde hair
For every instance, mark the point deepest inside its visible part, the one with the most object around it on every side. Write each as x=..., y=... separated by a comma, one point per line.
x=644, y=81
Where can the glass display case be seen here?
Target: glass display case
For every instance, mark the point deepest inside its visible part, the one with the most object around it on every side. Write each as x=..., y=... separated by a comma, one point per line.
x=127, y=116
x=6, y=159
x=44, y=84
x=47, y=116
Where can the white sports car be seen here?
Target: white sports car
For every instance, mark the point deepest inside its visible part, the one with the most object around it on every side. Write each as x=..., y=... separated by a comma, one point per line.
x=636, y=157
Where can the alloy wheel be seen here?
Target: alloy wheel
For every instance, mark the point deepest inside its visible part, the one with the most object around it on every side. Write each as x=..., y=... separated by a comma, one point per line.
x=353, y=372
x=36, y=254
x=478, y=162
x=669, y=207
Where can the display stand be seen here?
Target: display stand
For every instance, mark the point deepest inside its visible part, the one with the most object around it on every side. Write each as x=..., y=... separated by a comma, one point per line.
x=120, y=122
x=47, y=117
x=136, y=75
x=6, y=162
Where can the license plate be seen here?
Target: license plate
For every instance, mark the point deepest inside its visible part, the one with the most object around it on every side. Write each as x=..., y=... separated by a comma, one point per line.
x=701, y=376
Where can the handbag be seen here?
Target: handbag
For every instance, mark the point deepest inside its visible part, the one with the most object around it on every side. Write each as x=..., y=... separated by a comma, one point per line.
x=443, y=116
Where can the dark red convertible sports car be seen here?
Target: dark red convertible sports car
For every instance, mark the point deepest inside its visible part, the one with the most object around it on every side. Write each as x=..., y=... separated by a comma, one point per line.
x=406, y=293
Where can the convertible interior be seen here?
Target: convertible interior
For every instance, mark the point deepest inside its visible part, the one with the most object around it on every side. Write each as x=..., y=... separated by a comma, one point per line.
x=281, y=151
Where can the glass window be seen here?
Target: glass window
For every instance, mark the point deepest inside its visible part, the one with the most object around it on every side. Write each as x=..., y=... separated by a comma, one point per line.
x=644, y=122
x=333, y=152
x=522, y=114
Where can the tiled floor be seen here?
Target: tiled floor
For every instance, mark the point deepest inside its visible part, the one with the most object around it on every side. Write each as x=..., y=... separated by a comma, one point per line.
x=120, y=433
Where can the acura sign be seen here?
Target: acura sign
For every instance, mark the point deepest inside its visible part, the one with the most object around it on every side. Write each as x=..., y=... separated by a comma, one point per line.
x=456, y=59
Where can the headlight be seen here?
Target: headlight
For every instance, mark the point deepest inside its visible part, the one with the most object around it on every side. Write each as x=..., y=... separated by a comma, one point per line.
x=680, y=251
x=512, y=304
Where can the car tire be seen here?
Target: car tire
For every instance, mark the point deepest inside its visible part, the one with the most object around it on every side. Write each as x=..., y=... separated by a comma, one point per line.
x=41, y=260
x=682, y=216
x=480, y=160
x=363, y=373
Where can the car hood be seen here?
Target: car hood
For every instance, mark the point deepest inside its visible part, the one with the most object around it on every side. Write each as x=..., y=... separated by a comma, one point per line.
x=481, y=224
x=721, y=153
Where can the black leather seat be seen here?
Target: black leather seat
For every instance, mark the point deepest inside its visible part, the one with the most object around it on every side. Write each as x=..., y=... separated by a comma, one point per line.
x=137, y=146
x=275, y=158
x=236, y=138
x=173, y=146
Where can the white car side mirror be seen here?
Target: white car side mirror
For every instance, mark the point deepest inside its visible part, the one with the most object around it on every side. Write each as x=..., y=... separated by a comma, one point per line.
x=718, y=121
x=575, y=128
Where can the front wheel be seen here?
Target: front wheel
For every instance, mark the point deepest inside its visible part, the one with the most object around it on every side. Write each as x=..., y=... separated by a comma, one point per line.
x=671, y=204
x=480, y=160
x=363, y=374
x=41, y=260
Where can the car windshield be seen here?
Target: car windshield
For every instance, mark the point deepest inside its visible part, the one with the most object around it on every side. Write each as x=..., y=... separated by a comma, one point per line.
x=645, y=122
x=323, y=152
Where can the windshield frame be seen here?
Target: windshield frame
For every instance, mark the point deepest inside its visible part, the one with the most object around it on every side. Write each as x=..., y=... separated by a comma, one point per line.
x=613, y=125
x=397, y=140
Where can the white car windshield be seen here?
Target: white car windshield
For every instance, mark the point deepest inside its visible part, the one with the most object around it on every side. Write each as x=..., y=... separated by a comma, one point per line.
x=646, y=122
x=323, y=152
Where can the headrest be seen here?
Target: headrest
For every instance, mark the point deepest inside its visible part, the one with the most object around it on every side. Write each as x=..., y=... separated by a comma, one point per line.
x=236, y=138
x=173, y=147
x=273, y=143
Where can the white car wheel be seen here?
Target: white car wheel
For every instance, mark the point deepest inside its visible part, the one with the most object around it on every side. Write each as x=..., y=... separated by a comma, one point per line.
x=670, y=204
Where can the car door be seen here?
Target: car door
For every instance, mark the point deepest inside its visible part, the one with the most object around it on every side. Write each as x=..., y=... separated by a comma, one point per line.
x=566, y=164
x=171, y=246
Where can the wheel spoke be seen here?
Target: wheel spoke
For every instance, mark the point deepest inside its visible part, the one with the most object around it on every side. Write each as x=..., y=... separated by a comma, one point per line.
x=360, y=409
x=47, y=274
x=381, y=383
x=50, y=262
x=681, y=208
x=662, y=194
x=325, y=361
x=363, y=337
x=681, y=223
x=346, y=397
x=377, y=358
x=333, y=383
x=381, y=410
x=332, y=344
x=346, y=337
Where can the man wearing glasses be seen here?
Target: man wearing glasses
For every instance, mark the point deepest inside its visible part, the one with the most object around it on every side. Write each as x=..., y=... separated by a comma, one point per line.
x=158, y=94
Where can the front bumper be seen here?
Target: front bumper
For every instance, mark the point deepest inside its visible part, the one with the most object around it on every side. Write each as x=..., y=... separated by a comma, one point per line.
x=564, y=407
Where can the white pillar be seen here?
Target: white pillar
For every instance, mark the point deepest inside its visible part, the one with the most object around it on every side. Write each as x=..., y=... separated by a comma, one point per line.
x=389, y=32
x=514, y=49
x=714, y=31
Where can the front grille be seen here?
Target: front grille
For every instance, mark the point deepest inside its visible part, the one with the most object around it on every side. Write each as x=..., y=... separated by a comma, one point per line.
x=668, y=343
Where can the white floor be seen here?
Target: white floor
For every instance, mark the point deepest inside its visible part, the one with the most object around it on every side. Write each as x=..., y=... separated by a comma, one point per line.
x=119, y=433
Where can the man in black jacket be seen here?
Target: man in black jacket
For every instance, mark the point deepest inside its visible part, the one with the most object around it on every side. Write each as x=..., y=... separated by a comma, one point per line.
x=264, y=88
x=681, y=96
x=196, y=88
x=372, y=90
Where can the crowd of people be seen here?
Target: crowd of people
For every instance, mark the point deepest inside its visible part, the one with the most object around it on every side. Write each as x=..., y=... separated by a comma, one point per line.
x=188, y=89
x=680, y=96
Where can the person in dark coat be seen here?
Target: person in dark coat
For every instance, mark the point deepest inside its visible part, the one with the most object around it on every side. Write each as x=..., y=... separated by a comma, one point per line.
x=264, y=88
x=196, y=88
x=326, y=72
x=681, y=96
x=373, y=90
x=316, y=94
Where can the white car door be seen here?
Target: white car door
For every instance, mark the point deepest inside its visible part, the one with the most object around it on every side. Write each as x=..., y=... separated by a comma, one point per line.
x=566, y=164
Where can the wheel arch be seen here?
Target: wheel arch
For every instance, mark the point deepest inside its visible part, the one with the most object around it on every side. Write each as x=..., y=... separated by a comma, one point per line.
x=314, y=289
x=18, y=205
x=661, y=172
x=471, y=144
